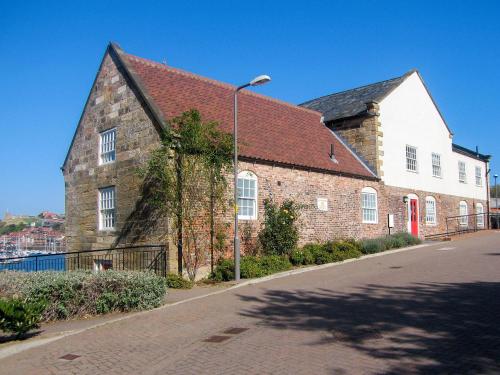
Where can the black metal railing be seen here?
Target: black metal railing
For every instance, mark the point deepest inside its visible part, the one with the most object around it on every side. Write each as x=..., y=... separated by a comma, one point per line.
x=130, y=258
x=495, y=220
x=460, y=224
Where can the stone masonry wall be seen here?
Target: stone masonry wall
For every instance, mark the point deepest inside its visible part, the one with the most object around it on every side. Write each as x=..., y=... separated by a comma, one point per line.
x=112, y=104
x=365, y=136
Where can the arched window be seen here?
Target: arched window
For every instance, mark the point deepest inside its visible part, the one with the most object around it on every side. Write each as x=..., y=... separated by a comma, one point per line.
x=247, y=195
x=479, y=215
x=463, y=212
x=369, y=205
x=430, y=211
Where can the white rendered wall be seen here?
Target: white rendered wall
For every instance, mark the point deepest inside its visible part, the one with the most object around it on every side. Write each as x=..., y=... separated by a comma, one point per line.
x=409, y=117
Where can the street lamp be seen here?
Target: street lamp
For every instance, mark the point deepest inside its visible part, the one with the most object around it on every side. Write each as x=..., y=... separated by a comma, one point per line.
x=260, y=80
x=497, y=209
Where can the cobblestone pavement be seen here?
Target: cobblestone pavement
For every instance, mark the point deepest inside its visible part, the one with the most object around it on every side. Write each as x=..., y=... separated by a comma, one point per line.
x=433, y=310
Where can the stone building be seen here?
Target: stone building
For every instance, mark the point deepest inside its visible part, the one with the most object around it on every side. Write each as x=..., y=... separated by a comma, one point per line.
x=348, y=158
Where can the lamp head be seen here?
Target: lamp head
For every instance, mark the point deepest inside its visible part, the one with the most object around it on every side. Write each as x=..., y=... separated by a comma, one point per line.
x=495, y=175
x=260, y=80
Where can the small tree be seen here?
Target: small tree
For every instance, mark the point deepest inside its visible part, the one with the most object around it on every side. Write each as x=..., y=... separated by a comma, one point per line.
x=188, y=173
x=279, y=235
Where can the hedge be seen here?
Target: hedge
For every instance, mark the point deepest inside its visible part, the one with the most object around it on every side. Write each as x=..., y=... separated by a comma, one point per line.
x=77, y=294
x=251, y=267
x=312, y=253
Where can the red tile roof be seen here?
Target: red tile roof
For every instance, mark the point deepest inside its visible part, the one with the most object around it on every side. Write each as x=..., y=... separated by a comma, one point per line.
x=268, y=129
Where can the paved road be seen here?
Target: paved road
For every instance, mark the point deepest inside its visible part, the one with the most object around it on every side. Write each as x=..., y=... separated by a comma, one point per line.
x=431, y=310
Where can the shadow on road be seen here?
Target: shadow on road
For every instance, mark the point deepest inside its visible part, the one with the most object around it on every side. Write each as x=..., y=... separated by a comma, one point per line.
x=428, y=327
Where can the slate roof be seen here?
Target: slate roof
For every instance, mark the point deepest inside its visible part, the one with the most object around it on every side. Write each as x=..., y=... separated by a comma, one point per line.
x=470, y=153
x=352, y=102
x=269, y=130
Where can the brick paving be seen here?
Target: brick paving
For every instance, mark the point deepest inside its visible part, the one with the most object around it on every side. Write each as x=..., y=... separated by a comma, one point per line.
x=421, y=311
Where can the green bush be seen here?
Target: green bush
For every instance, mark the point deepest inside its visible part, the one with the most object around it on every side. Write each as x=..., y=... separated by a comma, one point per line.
x=280, y=235
x=408, y=238
x=372, y=246
x=18, y=316
x=175, y=281
x=274, y=263
x=297, y=257
x=224, y=270
x=394, y=241
x=250, y=267
x=74, y=294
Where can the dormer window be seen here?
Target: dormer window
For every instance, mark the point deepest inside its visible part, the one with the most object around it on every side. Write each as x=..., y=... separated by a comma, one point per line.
x=107, y=145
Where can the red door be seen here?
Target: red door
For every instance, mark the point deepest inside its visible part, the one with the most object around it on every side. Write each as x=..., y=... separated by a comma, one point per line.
x=414, y=216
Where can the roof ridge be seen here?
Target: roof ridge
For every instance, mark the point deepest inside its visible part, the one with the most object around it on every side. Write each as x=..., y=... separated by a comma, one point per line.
x=218, y=83
x=407, y=74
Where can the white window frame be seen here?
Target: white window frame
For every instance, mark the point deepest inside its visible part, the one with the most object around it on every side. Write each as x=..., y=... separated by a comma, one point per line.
x=480, y=215
x=463, y=210
x=462, y=172
x=436, y=165
x=248, y=198
x=409, y=159
x=107, y=208
x=479, y=176
x=369, y=213
x=430, y=211
x=107, y=146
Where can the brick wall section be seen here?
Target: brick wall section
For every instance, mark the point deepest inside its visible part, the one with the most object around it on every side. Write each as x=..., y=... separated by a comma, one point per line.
x=343, y=218
x=446, y=206
x=112, y=104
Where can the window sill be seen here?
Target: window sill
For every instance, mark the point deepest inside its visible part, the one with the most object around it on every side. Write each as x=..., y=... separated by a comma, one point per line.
x=409, y=170
x=431, y=224
x=370, y=222
x=440, y=177
x=246, y=218
x=108, y=163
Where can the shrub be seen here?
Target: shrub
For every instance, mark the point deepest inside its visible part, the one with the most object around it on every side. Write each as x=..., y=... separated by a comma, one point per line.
x=274, y=263
x=224, y=271
x=280, y=235
x=175, y=281
x=323, y=256
x=18, y=316
x=407, y=238
x=308, y=256
x=297, y=257
x=388, y=242
x=250, y=267
x=74, y=294
x=394, y=242
x=372, y=246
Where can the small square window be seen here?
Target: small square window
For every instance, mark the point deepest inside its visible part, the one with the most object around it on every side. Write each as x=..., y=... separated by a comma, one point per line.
x=107, y=147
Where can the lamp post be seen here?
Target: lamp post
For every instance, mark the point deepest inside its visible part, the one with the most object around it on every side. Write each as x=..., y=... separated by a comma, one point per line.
x=497, y=209
x=260, y=80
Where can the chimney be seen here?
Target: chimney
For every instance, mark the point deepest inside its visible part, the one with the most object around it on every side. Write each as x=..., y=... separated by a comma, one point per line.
x=372, y=108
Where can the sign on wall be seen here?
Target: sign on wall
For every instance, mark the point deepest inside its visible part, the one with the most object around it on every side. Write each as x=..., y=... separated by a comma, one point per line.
x=322, y=204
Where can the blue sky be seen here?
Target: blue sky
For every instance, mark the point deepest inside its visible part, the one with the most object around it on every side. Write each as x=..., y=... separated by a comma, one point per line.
x=50, y=52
